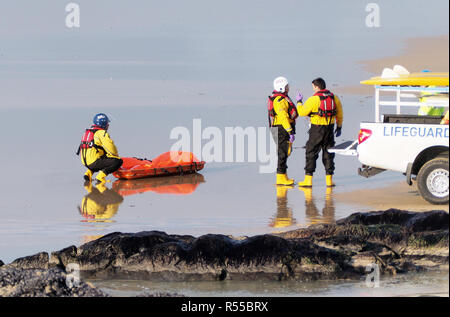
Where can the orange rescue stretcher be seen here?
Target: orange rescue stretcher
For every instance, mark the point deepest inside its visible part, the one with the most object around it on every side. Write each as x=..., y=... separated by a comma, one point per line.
x=169, y=163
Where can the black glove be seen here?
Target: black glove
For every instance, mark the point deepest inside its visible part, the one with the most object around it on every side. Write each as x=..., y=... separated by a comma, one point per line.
x=338, y=131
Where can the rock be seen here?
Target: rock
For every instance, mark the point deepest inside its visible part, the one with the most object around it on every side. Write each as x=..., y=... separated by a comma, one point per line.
x=399, y=241
x=428, y=221
x=63, y=256
x=210, y=257
x=52, y=282
x=395, y=239
x=1, y=263
x=424, y=221
x=37, y=261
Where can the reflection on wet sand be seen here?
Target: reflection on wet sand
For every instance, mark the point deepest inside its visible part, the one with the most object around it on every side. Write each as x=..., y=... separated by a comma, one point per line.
x=175, y=185
x=284, y=216
x=312, y=212
x=101, y=203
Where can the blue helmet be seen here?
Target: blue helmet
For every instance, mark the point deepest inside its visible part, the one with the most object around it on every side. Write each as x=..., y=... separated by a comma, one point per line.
x=101, y=120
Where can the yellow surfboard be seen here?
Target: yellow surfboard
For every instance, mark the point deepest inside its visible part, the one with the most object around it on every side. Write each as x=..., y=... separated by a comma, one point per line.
x=414, y=79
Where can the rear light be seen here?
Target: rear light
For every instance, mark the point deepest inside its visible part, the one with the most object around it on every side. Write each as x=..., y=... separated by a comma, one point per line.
x=364, y=134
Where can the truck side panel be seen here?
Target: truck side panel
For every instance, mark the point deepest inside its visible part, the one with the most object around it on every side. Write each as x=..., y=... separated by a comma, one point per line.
x=392, y=146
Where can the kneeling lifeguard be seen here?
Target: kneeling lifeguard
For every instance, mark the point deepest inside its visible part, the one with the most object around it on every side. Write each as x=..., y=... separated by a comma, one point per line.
x=98, y=151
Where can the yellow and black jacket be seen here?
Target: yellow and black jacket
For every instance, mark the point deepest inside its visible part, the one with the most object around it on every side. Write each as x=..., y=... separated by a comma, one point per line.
x=283, y=115
x=103, y=146
x=311, y=108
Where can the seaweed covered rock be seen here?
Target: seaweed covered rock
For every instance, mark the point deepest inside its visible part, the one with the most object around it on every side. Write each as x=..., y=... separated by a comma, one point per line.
x=210, y=257
x=15, y=282
x=413, y=221
x=37, y=261
x=399, y=241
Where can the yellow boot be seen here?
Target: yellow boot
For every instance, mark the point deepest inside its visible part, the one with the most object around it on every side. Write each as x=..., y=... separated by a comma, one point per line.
x=329, y=179
x=291, y=181
x=283, y=180
x=88, y=176
x=307, y=182
x=101, y=177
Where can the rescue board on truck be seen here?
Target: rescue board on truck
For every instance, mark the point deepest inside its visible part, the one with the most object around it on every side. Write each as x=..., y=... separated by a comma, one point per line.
x=414, y=79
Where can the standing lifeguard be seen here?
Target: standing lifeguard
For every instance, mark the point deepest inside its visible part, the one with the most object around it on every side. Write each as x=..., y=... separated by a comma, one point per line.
x=282, y=116
x=325, y=109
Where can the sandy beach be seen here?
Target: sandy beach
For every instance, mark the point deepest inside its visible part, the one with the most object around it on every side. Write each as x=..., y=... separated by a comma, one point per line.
x=430, y=53
x=399, y=195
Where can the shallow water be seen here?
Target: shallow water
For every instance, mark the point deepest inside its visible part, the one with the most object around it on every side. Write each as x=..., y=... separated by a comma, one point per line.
x=412, y=284
x=46, y=207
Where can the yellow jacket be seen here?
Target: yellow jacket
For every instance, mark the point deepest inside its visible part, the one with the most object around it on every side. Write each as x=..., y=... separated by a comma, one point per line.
x=428, y=109
x=312, y=105
x=431, y=111
x=105, y=146
x=281, y=108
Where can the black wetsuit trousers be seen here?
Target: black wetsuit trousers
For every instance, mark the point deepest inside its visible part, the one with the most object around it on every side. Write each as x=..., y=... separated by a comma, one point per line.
x=281, y=138
x=106, y=164
x=321, y=138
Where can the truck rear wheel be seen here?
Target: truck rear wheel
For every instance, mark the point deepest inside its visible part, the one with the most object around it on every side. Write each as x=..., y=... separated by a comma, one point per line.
x=432, y=181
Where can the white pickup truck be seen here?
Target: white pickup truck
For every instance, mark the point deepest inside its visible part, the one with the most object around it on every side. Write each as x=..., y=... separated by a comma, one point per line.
x=417, y=146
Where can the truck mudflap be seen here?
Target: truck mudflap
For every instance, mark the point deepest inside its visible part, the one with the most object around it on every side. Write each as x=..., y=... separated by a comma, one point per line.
x=347, y=148
x=408, y=174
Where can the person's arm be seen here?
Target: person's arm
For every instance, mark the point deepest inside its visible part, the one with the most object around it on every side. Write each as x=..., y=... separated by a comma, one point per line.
x=107, y=144
x=305, y=109
x=339, y=112
x=281, y=109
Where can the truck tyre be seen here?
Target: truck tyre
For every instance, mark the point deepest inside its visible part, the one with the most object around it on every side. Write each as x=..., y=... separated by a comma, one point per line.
x=432, y=181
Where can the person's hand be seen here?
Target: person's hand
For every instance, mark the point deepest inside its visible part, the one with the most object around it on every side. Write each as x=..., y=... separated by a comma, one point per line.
x=299, y=97
x=292, y=138
x=338, y=131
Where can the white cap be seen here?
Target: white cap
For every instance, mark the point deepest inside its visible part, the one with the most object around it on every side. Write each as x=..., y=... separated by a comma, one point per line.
x=280, y=83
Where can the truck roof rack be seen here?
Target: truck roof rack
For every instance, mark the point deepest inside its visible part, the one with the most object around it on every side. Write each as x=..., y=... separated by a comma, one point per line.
x=404, y=92
x=406, y=85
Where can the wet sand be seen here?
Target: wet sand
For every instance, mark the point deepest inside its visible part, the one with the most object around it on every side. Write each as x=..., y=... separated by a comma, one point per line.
x=421, y=53
x=433, y=283
x=398, y=195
